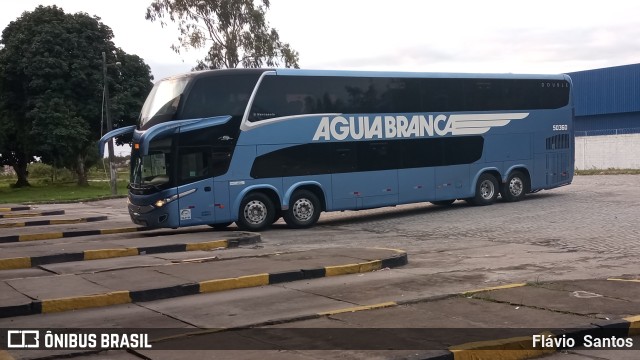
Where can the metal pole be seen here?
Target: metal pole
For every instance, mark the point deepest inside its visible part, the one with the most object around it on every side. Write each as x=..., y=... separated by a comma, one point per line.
x=112, y=166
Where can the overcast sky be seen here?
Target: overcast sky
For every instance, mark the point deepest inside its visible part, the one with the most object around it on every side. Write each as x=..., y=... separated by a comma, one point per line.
x=403, y=35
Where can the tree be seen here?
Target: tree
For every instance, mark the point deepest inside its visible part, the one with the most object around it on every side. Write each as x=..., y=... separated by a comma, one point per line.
x=16, y=146
x=51, y=89
x=235, y=32
x=129, y=85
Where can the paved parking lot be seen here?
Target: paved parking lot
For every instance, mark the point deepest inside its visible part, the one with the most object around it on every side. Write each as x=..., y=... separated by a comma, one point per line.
x=588, y=230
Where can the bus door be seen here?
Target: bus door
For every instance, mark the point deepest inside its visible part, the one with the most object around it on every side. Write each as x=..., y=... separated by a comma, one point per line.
x=195, y=185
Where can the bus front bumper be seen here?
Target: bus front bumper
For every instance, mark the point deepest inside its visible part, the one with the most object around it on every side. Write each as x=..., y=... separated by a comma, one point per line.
x=152, y=216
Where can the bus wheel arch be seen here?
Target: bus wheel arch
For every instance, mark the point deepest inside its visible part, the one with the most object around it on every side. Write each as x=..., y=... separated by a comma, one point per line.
x=487, y=188
x=305, y=205
x=257, y=210
x=517, y=185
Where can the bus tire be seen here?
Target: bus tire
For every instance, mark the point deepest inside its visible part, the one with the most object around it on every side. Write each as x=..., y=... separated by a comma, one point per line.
x=221, y=226
x=256, y=212
x=486, y=190
x=443, y=202
x=304, y=210
x=277, y=216
x=515, y=188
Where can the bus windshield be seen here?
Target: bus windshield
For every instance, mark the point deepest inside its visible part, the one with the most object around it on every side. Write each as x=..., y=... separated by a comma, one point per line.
x=162, y=103
x=152, y=170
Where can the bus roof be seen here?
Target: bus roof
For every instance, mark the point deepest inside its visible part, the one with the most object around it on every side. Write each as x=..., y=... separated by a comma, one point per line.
x=402, y=74
x=359, y=73
x=206, y=73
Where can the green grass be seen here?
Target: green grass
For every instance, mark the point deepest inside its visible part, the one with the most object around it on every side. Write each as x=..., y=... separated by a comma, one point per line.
x=58, y=192
x=608, y=172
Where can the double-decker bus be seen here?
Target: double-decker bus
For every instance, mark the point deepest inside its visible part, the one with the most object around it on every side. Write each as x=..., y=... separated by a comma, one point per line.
x=252, y=146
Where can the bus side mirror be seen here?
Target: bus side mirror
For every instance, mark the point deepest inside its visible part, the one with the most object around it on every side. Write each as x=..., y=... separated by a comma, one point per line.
x=111, y=134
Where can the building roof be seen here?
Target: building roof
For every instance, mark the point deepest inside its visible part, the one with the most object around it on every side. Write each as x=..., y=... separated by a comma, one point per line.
x=607, y=91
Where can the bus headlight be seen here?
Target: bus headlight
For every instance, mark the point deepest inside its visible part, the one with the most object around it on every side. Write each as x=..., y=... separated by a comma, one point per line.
x=162, y=202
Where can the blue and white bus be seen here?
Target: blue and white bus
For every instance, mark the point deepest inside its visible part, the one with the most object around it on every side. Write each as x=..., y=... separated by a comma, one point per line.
x=253, y=145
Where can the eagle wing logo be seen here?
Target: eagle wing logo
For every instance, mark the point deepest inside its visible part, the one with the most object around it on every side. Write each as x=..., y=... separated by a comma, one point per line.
x=476, y=124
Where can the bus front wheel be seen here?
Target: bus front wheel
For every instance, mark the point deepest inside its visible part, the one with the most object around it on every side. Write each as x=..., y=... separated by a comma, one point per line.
x=256, y=212
x=304, y=210
x=486, y=190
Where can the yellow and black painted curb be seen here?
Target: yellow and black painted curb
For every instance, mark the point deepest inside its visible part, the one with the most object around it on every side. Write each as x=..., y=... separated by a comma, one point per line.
x=33, y=261
x=520, y=348
x=207, y=286
x=68, y=234
x=32, y=214
x=4, y=355
x=513, y=348
x=53, y=222
x=15, y=208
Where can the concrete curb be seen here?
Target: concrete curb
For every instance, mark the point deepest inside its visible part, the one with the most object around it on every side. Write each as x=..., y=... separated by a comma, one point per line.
x=68, y=234
x=33, y=261
x=53, y=222
x=214, y=285
x=32, y=214
x=4, y=355
x=516, y=348
x=15, y=208
x=520, y=348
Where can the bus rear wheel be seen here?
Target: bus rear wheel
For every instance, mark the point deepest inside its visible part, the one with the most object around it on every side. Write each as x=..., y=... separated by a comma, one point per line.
x=515, y=188
x=304, y=210
x=486, y=190
x=256, y=212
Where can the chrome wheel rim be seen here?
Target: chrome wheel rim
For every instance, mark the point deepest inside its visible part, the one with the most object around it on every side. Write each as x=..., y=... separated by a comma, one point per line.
x=255, y=212
x=487, y=190
x=303, y=209
x=516, y=186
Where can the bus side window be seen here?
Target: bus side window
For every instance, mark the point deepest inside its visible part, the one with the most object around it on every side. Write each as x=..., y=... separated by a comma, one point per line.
x=218, y=96
x=220, y=160
x=344, y=157
x=378, y=155
x=294, y=107
x=195, y=164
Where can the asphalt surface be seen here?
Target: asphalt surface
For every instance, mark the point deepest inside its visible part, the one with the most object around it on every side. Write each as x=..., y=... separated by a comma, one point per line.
x=479, y=282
